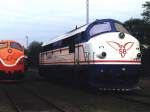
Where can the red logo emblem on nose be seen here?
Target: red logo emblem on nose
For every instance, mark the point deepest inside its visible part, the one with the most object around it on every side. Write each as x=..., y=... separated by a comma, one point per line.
x=122, y=49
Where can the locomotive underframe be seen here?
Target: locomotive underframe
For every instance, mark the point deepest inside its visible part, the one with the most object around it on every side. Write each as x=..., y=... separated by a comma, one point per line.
x=108, y=76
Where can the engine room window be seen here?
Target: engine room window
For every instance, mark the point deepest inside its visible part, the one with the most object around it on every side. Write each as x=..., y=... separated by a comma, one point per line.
x=16, y=46
x=121, y=28
x=3, y=45
x=100, y=28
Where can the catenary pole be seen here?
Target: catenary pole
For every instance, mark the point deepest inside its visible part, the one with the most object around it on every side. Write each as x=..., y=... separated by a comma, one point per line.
x=87, y=11
x=27, y=41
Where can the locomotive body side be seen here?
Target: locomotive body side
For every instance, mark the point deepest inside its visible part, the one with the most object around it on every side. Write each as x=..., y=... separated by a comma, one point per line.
x=104, y=55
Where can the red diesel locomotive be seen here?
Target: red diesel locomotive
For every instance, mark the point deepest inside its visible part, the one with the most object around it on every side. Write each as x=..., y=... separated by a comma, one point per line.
x=11, y=59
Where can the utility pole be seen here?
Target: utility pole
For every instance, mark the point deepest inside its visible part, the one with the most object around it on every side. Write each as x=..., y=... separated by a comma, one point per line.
x=27, y=41
x=87, y=11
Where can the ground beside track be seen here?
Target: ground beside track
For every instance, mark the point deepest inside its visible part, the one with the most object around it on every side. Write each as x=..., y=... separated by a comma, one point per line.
x=70, y=98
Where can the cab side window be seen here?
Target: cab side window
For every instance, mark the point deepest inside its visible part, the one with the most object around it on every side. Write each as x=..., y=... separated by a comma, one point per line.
x=16, y=46
x=3, y=45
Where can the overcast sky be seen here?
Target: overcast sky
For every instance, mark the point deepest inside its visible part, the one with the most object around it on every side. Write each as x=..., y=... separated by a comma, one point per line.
x=43, y=20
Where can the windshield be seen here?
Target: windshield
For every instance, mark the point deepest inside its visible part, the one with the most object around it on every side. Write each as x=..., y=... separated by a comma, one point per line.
x=3, y=45
x=120, y=28
x=16, y=46
x=100, y=28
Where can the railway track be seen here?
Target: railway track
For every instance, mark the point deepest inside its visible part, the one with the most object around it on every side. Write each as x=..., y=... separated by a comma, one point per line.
x=43, y=99
x=135, y=97
x=55, y=102
x=30, y=91
x=125, y=94
x=14, y=105
x=25, y=100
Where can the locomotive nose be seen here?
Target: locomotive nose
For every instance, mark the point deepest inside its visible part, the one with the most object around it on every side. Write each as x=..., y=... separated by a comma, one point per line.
x=9, y=58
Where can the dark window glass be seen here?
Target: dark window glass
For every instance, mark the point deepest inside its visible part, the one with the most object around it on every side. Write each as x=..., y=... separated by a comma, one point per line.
x=57, y=44
x=16, y=46
x=120, y=28
x=100, y=28
x=71, y=45
x=65, y=42
x=71, y=41
x=80, y=38
x=3, y=45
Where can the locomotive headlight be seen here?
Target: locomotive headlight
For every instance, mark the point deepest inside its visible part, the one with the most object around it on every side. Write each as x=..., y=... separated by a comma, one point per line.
x=121, y=35
x=9, y=50
x=102, y=55
x=139, y=55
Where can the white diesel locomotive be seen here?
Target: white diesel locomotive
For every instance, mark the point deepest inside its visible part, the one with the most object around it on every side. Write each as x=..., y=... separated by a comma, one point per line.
x=102, y=54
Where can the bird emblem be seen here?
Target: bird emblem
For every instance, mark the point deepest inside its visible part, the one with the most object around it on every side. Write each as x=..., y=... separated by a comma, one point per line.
x=122, y=49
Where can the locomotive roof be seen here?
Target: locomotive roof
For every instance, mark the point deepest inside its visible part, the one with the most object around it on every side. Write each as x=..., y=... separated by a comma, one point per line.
x=68, y=34
x=7, y=41
x=77, y=30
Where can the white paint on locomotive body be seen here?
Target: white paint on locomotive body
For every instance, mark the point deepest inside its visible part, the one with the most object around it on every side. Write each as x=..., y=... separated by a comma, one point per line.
x=88, y=51
x=104, y=48
x=118, y=51
x=11, y=65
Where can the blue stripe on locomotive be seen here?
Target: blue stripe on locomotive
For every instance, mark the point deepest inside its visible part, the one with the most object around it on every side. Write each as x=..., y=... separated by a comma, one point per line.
x=100, y=68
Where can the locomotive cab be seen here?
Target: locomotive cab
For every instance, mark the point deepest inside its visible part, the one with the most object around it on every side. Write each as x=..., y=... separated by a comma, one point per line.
x=112, y=42
x=105, y=26
x=116, y=54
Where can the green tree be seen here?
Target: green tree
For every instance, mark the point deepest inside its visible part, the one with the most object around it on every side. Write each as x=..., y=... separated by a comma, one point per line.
x=146, y=12
x=140, y=29
x=33, y=53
